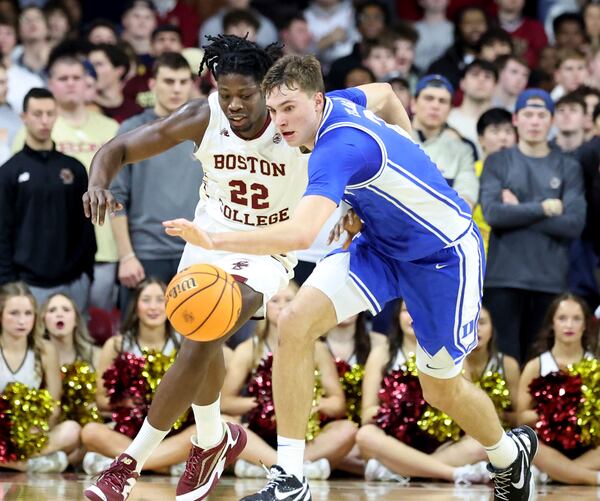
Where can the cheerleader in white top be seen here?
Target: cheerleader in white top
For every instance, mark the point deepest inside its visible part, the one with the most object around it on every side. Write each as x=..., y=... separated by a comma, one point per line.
x=565, y=343
x=29, y=361
x=497, y=374
x=145, y=329
x=390, y=459
x=66, y=329
x=250, y=372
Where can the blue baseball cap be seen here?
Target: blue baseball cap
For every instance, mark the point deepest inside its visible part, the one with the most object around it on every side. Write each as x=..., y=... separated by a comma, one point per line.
x=537, y=95
x=434, y=80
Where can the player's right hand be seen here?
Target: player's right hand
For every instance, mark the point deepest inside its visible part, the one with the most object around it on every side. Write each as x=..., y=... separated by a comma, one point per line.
x=349, y=223
x=97, y=201
x=131, y=272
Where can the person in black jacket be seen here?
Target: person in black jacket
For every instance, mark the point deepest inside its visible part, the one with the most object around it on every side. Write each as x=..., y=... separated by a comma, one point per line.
x=470, y=25
x=586, y=256
x=45, y=238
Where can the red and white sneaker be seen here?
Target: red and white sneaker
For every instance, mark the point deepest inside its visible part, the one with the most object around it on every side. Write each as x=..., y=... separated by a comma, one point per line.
x=115, y=483
x=204, y=467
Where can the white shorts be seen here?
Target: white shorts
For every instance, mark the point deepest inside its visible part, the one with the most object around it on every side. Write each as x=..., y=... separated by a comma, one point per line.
x=264, y=274
x=333, y=277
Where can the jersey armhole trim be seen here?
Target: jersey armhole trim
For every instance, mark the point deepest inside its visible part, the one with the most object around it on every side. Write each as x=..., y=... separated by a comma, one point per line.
x=211, y=121
x=384, y=156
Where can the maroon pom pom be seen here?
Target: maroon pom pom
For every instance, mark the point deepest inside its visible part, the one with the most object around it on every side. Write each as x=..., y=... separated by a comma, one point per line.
x=261, y=419
x=402, y=405
x=557, y=397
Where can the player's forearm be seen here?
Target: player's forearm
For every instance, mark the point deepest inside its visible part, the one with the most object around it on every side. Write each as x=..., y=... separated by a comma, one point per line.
x=382, y=100
x=276, y=239
x=394, y=113
x=106, y=163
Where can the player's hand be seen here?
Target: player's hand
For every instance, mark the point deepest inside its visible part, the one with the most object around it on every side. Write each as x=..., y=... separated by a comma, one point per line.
x=189, y=232
x=97, y=202
x=552, y=207
x=131, y=272
x=349, y=223
x=508, y=197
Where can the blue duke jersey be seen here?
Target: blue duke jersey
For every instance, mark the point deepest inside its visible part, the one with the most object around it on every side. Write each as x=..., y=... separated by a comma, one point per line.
x=408, y=208
x=418, y=241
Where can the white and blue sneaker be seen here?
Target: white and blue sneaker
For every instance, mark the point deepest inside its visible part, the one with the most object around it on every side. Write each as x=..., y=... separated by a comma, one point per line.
x=281, y=486
x=516, y=483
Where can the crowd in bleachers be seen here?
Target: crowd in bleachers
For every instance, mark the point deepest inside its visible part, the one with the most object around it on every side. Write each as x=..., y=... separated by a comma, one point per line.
x=74, y=74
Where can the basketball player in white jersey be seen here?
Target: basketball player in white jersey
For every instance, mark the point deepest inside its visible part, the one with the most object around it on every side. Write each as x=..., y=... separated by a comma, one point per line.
x=252, y=178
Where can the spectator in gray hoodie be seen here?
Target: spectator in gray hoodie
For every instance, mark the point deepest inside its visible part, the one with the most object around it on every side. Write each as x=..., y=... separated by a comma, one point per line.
x=532, y=197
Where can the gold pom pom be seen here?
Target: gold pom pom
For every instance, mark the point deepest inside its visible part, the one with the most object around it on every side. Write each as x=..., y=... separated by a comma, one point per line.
x=157, y=364
x=588, y=412
x=78, y=401
x=496, y=388
x=352, y=385
x=30, y=411
x=314, y=421
x=439, y=425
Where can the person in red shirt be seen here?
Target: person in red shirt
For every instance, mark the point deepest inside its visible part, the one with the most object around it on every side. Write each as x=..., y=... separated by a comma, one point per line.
x=165, y=38
x=528, y=34
x=181, y=14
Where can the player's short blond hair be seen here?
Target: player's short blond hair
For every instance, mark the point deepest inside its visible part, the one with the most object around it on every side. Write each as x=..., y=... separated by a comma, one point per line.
x=295, y=72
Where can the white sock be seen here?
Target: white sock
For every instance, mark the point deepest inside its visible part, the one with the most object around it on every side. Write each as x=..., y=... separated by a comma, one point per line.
x=209, y=425
x=290, y=455
x=145, y=443
x=504, y=453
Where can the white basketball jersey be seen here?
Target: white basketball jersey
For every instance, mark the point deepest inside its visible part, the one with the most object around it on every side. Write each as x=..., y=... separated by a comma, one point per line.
x=248, y=183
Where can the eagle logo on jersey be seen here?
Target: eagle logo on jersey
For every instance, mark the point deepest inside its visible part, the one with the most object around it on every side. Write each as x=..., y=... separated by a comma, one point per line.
x=66, y=175
x=277, y=138
x=239, y=265
x=224, y=132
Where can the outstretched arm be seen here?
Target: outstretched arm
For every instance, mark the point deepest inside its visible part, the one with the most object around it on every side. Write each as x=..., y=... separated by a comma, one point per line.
x=340, y=154
x=297, y=233
x=187, y=123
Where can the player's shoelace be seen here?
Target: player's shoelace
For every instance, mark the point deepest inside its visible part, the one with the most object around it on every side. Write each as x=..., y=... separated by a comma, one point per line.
x=274, y=477
x=191, y=465
x=502, y=483
x=116, y=476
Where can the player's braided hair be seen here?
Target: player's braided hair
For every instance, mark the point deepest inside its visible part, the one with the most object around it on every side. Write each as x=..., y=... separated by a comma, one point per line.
x=231, y=54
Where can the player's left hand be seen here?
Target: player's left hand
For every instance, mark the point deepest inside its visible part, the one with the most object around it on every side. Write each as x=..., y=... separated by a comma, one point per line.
x=189, y=232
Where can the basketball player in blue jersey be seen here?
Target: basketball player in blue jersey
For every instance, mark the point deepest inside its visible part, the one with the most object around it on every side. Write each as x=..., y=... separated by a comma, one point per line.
x=234, y=135
x=418, y=242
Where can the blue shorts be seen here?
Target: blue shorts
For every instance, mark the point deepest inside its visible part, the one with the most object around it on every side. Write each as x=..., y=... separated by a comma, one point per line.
x=442, y=292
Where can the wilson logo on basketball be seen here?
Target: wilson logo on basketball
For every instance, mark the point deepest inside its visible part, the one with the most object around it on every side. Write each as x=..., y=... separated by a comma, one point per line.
x=184, y=285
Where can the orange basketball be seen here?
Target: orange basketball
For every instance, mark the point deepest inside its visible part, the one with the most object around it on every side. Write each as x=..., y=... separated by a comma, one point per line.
x=203, y=302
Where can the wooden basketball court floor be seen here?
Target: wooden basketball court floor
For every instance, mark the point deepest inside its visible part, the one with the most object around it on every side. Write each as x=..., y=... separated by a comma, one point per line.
x=69, y=487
